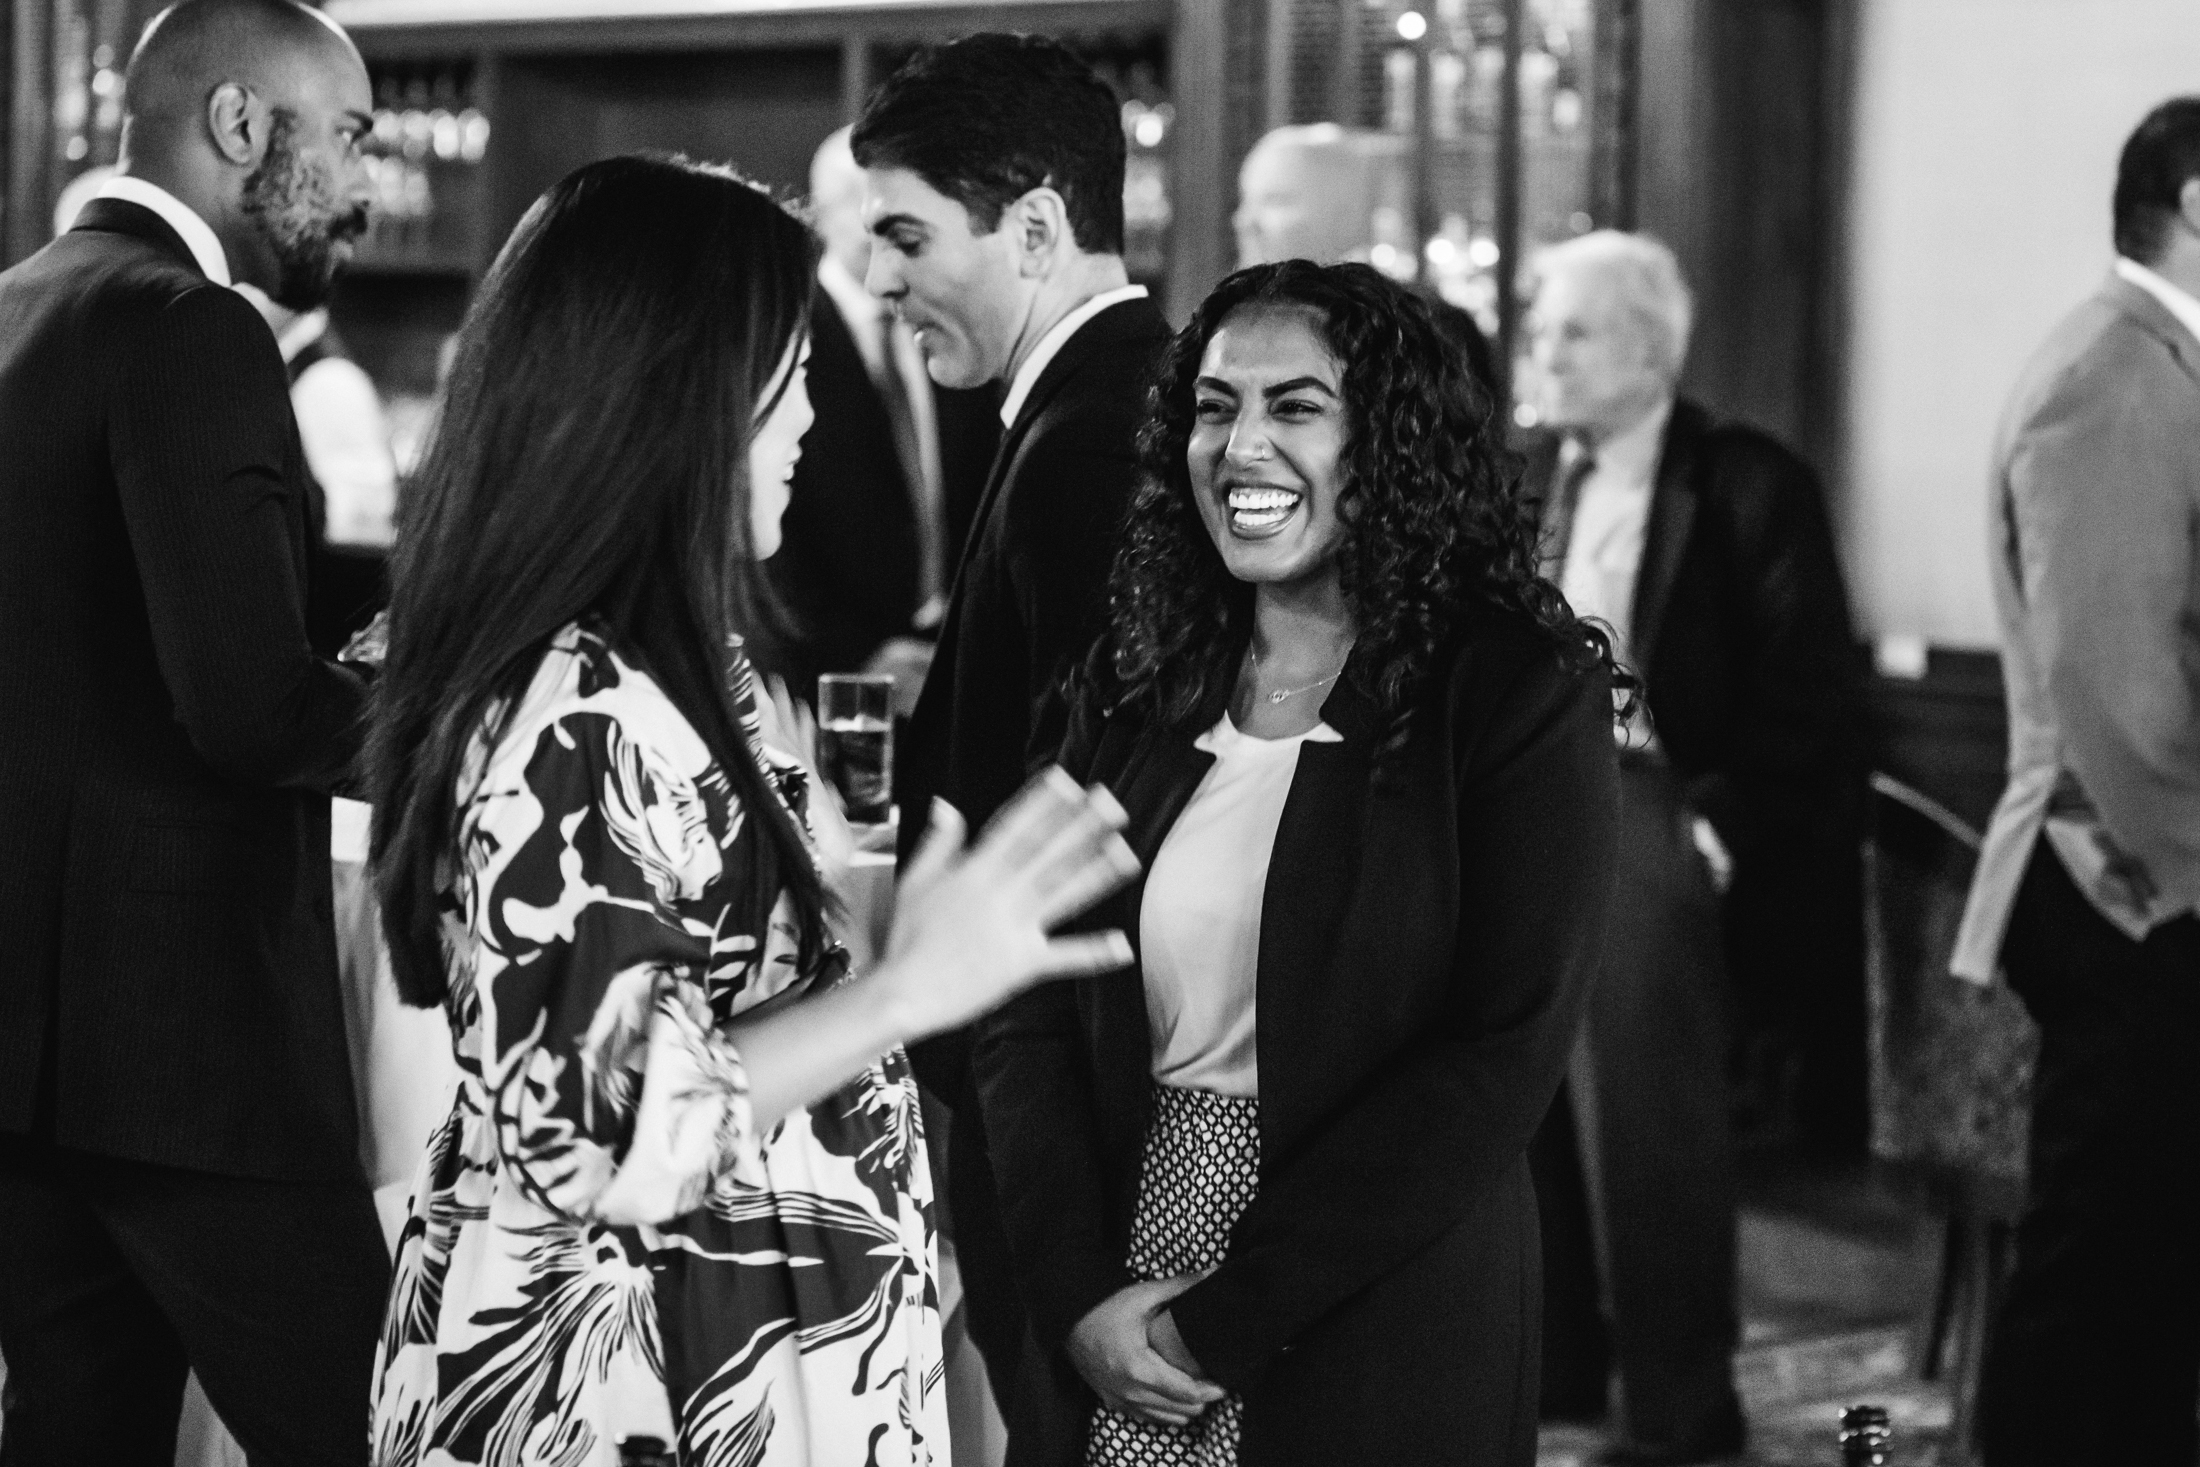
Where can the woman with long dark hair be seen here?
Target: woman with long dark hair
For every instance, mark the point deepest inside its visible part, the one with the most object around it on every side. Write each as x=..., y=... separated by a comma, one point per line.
x=682, y=1190
x=1268, y=1193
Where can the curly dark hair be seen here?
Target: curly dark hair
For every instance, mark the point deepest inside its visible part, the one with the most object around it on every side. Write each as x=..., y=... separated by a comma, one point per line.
x=1434, y=528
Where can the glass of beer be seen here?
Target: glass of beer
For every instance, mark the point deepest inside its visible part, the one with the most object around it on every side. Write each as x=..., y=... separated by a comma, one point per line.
x=855, y=733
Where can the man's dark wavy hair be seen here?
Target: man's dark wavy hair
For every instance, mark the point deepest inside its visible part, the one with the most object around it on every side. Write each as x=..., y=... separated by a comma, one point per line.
x=2159, y=158
x=987, y=119
x=1435, y=532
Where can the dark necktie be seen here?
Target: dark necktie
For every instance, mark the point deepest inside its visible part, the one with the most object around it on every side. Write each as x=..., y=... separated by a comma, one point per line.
x=1558, y=530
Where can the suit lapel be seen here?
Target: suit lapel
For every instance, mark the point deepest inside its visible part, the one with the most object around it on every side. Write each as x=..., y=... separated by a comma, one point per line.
x=2156, y=319
x=120, y=216
x=1154, y=785
x=1313, y=875
x=1118, y=322
x=1665, y=539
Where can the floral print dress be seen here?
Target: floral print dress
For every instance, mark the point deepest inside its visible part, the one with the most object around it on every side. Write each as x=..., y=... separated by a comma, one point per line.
x=601, y=1244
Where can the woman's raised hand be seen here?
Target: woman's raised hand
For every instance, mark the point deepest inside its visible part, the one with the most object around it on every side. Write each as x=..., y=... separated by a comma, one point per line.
x=970, y=926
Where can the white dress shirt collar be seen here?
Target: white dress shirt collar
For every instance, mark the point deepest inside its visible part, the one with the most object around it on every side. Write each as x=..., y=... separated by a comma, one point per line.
x=1630, y=455
x=1027, y=376
x=2179, y=303
x=198, y=237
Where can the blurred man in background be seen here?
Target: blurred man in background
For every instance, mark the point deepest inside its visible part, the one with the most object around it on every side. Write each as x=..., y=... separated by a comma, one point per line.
x=1310, y=191
x=890, y=472
x=1706, y=548
x=2087, y=892
x=179, y=1171
x=994, y=195
x=351, y=475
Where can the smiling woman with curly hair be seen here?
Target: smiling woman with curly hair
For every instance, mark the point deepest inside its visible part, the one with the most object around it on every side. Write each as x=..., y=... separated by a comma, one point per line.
x=1267, y=1193
x=1429, y=529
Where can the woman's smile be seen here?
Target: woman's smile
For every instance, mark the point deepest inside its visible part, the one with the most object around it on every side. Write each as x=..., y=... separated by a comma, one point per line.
x=1260, y=511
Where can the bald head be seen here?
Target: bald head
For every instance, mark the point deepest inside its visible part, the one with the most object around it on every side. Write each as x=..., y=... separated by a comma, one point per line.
x=836, y=202
x=1308, y=192
x=251, y=112
x=274, y=47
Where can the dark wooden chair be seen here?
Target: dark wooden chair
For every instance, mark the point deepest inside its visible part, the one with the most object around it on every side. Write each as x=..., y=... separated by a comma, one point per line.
x=1951, y=1073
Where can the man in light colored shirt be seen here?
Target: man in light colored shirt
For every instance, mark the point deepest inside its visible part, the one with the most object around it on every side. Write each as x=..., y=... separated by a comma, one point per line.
x=341, y=426
x=994, y=169
x=2088, y=883
x=1705, y=549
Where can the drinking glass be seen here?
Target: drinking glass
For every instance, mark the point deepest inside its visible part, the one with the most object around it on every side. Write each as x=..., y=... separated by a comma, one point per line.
x=855, y=733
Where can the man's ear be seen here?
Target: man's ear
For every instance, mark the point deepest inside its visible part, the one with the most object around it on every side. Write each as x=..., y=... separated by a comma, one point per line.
x=1039, y=222
x=236, y=120
x=2188, y=203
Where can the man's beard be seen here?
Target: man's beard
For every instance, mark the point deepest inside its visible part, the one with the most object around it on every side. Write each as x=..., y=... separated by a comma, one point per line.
x=298, y=214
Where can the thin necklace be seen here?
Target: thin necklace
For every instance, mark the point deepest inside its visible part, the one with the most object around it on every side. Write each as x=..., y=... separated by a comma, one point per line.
x=1282, y=693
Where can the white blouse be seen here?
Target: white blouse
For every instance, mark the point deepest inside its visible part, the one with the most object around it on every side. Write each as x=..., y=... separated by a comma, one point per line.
x=1199, y=926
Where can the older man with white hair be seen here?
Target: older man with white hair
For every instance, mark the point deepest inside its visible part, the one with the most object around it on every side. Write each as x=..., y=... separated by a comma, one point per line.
x=1706, y=548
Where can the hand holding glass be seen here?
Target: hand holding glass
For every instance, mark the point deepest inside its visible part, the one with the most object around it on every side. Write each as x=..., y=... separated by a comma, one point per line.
x=855, y=726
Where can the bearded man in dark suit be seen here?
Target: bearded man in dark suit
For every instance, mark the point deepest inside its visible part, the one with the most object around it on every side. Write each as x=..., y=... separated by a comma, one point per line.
x=179, y=1178
x=994, y=170
x=1706, y=547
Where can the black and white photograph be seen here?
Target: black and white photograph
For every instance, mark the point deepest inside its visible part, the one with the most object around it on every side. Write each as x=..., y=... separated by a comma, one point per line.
x=1099, y=733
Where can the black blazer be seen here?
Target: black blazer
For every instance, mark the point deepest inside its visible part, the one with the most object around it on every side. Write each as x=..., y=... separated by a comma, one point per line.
x=1428, y=930
x=1030, y=589
x=847, y=566
x=1742, y=637
x=167, y=738
x=848, y=563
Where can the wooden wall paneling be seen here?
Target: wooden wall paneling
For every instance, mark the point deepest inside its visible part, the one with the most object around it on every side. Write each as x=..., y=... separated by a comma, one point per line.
x=430, y=29
x=1247, y=93
x=1508, y=199
x=1673, y=131
x=856, y=79
x=489, y=97
x=1278, y=82
x=1613, y=112
x=765, y=111
x=30, y=120
x=1205, y=181
x=1824, y=425
x=7, y=120
x=1733, y=152
x=1345, y=86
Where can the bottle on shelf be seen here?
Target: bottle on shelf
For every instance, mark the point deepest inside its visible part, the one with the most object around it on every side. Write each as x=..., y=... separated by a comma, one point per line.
x=1865, y=1436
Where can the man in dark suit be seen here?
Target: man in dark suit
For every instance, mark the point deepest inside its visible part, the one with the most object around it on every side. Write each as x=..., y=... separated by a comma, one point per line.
x=872, y=525
x=179, y=1180
x=1707, y=550
x=995, y=195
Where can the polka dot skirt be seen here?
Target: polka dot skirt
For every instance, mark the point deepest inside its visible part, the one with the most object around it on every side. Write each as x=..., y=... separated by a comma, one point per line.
x=1201, y=1168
